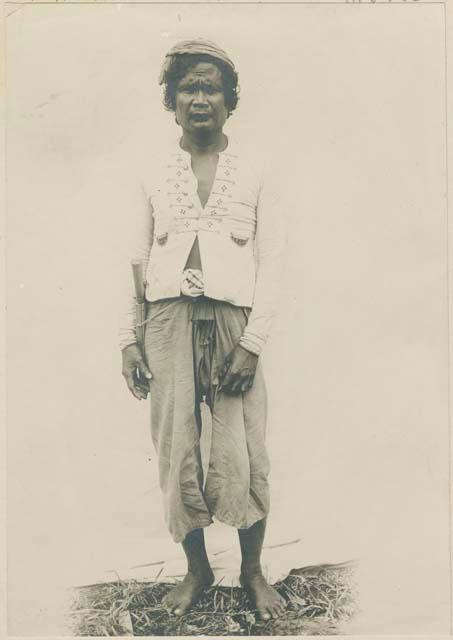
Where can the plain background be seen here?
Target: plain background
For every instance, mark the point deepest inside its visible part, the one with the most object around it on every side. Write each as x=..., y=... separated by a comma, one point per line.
x=351, y=100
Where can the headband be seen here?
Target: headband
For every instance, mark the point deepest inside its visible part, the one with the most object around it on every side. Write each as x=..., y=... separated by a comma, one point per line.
x=193, y=47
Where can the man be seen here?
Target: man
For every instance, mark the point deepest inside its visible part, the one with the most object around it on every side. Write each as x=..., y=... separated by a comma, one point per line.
x=212, y=244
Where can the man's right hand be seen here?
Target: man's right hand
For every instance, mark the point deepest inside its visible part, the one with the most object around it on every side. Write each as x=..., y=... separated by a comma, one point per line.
x=135, y=372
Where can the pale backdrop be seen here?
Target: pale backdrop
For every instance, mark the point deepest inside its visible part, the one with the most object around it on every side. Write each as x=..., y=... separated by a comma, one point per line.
x=351, y=100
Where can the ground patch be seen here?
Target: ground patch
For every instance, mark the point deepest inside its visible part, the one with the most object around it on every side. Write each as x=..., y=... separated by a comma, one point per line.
x=319, y=599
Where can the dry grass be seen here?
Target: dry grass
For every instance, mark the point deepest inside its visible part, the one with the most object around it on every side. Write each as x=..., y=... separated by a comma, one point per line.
x=318, y=600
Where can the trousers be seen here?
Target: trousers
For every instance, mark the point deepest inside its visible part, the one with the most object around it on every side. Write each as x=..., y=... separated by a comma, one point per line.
x=186, y=343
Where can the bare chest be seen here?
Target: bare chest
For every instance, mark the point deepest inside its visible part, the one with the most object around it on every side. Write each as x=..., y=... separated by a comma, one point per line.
x=204, y=169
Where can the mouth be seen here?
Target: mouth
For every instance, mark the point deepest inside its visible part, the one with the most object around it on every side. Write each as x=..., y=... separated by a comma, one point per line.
x=200, y=116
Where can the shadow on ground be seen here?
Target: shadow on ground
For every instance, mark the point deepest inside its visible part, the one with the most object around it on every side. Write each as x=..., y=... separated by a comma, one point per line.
x=320, y=599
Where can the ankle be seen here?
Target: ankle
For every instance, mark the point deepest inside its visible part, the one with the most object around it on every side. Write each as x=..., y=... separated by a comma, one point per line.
x=249, y=570
x=200, y=572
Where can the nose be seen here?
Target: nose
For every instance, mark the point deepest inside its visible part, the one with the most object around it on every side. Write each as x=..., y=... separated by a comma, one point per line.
x=200, y=98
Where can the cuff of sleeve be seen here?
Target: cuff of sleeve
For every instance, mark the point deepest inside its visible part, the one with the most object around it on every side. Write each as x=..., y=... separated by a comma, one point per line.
x=126, y=338
x=127, y=344
x=252, y=343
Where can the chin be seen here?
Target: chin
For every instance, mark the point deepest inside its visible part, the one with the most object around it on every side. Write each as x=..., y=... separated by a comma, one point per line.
x=202, y=125
x=203, y=128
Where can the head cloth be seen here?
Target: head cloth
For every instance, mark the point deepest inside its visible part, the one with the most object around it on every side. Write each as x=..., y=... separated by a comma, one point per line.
x=192, y=47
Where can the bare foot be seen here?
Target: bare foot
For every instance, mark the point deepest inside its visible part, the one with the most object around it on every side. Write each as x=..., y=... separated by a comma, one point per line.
x=265, y=598
x=184, y=595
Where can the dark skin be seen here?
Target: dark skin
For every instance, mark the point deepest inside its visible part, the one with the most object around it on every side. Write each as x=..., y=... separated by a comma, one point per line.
x=201, y=112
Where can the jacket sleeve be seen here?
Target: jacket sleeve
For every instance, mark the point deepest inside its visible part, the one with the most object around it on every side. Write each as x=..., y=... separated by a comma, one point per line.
x=142, y=238
x=270, y=246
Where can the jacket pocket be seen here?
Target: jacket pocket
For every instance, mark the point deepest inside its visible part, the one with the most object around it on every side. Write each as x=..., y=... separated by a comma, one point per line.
x=161, y=230
x=239, y=238
x=161, y=238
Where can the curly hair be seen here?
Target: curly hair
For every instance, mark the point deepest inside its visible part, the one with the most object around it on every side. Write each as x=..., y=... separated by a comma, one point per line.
x=181, y=64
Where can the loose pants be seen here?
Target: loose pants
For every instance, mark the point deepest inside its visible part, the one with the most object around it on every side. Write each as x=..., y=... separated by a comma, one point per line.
x=186, y=343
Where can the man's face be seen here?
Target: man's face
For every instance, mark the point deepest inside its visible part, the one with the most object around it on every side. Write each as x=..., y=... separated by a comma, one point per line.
x=200, y=101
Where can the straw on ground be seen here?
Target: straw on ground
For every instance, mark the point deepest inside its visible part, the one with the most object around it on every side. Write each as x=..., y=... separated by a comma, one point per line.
x=318, y=600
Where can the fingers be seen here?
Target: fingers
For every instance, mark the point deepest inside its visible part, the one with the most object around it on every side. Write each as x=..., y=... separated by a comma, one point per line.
x=232, y=384
x=236, y=383
x=228, y=381
x=224, y=370
x=137, y=387
x=139, y=393
x=238, y=371
x=143, y=369
x=141, y=384
x=131, y=385
x=142, y=391
x=247, y=384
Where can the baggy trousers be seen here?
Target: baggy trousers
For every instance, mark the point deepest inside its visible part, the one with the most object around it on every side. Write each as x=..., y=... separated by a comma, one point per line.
x=186, y=343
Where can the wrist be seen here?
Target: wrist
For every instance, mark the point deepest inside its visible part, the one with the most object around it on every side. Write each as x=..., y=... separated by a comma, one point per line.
x=249, y=346
x=127, y=346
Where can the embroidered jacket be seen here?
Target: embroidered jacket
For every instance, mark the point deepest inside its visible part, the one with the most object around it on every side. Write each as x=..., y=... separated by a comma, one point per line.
x=241, y=237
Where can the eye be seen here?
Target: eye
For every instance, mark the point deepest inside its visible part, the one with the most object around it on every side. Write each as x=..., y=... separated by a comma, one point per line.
x=185, y=89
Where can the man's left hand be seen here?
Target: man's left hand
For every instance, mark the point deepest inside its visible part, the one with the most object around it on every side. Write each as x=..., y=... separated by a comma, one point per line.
x=238, y=371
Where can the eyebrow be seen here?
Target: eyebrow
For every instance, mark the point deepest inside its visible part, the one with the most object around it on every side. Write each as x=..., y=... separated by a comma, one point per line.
x=201, y=82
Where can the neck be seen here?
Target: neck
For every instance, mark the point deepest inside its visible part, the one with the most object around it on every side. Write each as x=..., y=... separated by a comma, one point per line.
x=203, y=142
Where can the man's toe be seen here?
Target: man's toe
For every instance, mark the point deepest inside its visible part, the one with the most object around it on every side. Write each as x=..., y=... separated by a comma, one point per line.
x=170, y=605
x=181, y=608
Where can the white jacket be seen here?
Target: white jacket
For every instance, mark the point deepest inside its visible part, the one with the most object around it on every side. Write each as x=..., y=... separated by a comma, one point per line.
x=241, y=236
